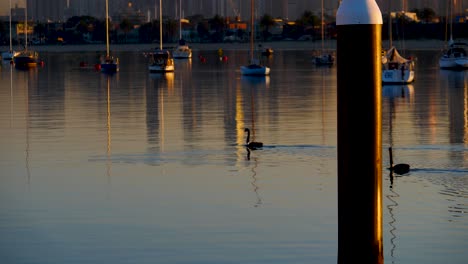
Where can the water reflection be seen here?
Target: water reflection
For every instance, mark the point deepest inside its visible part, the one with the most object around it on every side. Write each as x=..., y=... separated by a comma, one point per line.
x=254, y=181
x=395, y=91
x=108, y=125
x=457, y=95
x=392, y=204
x=68, y=126
x=256, y=81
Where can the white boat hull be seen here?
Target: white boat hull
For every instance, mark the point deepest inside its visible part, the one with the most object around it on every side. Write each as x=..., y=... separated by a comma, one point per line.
x=453, y=63
x=254, y=70
x=456, y=57
x=463, y=63
x=397, y=76
x=182, y=52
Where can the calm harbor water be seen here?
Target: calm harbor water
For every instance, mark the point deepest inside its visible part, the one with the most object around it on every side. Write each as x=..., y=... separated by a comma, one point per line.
x=147, y=168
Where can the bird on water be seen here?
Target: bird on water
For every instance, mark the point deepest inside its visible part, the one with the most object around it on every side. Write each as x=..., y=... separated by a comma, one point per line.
x=401, y=168
x=253, y=144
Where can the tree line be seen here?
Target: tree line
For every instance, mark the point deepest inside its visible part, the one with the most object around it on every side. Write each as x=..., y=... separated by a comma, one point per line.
x=87, y=29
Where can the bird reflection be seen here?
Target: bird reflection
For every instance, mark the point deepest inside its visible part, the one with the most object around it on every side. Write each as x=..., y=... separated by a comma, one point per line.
x=256, y=187
x=392, y=197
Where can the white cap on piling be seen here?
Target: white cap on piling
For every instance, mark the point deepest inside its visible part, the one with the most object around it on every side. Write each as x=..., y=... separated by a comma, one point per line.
x=356, y=12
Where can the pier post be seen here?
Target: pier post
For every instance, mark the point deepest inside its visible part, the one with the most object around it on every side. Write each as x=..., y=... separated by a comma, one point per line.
x=359, y=75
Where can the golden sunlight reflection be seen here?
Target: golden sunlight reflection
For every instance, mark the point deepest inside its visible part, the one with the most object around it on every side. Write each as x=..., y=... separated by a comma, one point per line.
x=240, y=125
x=169, y=77
x=161, y=117
x=108, y=152
x=11, y=94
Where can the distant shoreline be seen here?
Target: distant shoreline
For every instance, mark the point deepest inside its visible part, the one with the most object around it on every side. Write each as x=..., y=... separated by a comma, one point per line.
x=429, y=44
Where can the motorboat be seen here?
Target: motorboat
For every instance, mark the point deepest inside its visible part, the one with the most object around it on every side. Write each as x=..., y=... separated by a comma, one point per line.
x=161, y=61
x=397, y=69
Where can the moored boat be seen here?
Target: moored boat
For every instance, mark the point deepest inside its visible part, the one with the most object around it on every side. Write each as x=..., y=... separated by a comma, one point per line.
x=324, y=59
x=10, y=54
x=108, y=64
x=26, y=59
x=455, y=57
x=254, y=67
x=397, y=69
x=182, y=51
x=161, y=61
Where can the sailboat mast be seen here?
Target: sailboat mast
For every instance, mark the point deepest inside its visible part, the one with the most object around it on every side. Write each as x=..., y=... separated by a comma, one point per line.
x=107, y=28
x=252, y=35
x=180, y=19
x=160, y=24
x=25, y=26
x=390, y=34
x=451, y=20
x=11, y=43
x=321, y=26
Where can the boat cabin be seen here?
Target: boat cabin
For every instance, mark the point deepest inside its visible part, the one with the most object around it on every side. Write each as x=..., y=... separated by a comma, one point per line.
x=456, y=50
x=161, y=57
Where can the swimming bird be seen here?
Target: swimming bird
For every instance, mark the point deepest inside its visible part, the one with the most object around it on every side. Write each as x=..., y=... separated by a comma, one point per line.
x=252, y=145
x=401, y=168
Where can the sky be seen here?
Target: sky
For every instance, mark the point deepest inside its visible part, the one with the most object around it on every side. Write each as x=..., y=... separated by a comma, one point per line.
x=4, y=5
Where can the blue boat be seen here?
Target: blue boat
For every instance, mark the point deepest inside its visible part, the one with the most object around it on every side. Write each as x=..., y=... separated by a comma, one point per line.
x=109, y=64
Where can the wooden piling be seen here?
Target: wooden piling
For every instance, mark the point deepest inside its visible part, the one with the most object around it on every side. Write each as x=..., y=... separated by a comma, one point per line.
x=359, y=75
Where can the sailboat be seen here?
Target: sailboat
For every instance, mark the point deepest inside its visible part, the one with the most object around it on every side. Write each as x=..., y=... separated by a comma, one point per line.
x=456, y=55
x=26, y=58
x=182, y=51
x=8, y=55
x=109, y=64
x=324, y=59
x=254, y=68
x=395, y=68
x=161, y=60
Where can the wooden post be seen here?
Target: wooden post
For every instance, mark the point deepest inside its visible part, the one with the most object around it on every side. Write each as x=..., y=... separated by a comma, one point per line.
x=359, y=74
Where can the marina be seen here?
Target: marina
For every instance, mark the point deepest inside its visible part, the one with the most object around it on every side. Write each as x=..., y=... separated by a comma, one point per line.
x=152, y=167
